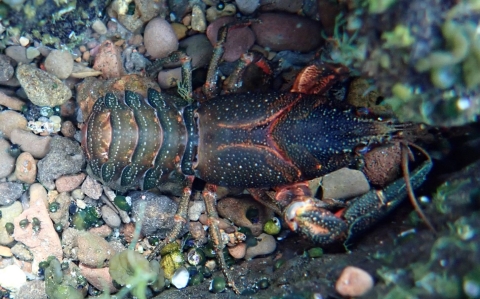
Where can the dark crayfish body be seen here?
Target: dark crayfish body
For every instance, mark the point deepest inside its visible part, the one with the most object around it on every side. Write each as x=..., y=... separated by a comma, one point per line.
x=239, y=140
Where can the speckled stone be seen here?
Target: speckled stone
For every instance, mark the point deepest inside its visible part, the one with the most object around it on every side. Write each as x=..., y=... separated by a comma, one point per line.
x=10, y=192
x=65, y=157
x=42, y=88
x=93, y=251
x=26, y=168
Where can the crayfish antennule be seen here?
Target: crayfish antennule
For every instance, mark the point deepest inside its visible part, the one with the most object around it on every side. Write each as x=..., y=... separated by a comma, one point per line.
x=406, y=155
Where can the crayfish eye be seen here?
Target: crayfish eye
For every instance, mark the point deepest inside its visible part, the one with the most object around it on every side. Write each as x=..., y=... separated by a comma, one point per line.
x=221, y=5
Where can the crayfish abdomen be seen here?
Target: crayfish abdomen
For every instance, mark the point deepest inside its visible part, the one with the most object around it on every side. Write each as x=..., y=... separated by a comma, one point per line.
x=271, y=139
x=131, y=141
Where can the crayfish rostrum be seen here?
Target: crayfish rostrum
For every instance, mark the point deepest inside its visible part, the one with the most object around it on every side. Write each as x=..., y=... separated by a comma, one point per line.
x=250, y=140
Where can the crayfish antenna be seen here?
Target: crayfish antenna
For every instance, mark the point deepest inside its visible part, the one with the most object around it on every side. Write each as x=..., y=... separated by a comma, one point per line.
x=406, y=156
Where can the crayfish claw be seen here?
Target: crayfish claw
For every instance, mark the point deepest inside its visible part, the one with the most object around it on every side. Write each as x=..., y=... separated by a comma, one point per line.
x=315, y=222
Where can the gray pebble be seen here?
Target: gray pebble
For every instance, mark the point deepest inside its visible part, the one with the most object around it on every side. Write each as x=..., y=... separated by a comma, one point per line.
x=65, y=157
x=110, y=217
x=196, y=209
x=10, y=192
x=8, y=162
x=6, y=68
x=344, y=183
x=159, y=213
x=59, y=63
x=199, y=48
x=42, y=88
x=32, y=289
x=247, y=6
x=32, y=52
x=17, y=53
x=21, y=252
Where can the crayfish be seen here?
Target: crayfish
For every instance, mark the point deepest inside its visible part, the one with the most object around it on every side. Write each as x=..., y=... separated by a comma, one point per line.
x=250, y=140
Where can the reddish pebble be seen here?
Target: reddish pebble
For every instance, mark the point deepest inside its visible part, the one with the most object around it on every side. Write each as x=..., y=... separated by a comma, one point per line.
x=159, y=38
x=69, y=183
x=281, y=31
x=354, y=282
x=109, y=61
x=239, y=40
x=68, y=129
x=26, y=168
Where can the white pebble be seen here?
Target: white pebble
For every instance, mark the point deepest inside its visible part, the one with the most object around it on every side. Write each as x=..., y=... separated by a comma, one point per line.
x=24, y=41
x=354, y=282
x=180, y=278
x=12, y=278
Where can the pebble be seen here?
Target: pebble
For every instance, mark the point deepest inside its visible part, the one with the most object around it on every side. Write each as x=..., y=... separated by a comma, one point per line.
x=239, y=40
x=65, y=157
x=10, y=192
x=6, y=68
x=281, y=32
x=93, y=251
x=196, y=209
x=238, y=251
x=17, y=53
x=42, y=88
x=159, y=213
x=26, y=168
x=8, y=162
x=197, y=231
x=344, y=183
x=382, y=164
x=292, y=6
x=110, y=217
x=180, y=278
x=11, y=102
x=199, y=49
x=11, y=120
x=92, y=188
x=109, y=60
x=266, y=245
x=235, y=209
x=136, y=40
x=21, y=252
x=24, y=41
x=222, y=223
x=159, y=38
x=8, y=215
x=38, y=146
x=102, y=231
x=213, y=13
x=169, y=78
x=99, y=27
x=98, y=277
x=32, y=53
x=59, y=63
x=180, y=30
x=61, y=215
x=69, y=183
x=354, y=282
x=12, y=278
x=247, y=7
x=78, y=194
x=5, y=251
x=199, y=22
x=32, y=289
x=45, y=242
